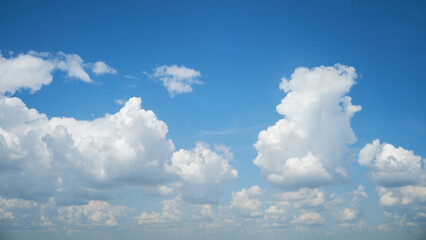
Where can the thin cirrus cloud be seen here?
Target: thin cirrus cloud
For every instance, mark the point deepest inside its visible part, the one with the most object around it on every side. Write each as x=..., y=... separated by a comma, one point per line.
x=177, y=80
x=33, y=70
x=305, y=147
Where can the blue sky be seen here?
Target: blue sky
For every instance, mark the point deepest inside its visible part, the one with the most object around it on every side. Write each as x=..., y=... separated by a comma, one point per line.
x=212, y=119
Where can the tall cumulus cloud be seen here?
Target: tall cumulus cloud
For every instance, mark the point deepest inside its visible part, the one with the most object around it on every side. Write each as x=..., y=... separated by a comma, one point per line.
x=305, y=147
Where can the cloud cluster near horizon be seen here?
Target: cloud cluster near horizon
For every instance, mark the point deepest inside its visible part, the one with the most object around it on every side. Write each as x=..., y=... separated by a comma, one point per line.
x=61, y=169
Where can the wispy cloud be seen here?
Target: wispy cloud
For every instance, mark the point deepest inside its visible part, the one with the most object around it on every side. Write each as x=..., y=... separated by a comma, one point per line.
x=131, y=77
x=175, y=79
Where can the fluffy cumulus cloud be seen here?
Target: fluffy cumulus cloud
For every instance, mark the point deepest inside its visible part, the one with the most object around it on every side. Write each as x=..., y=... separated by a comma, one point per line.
x=391, y=166
x=33, y=70
x=202, y=171
x=177, y=80
x=354, y=210
x=308, y=217
x=20, y=213
x=73, y=159
x=93, y=213
x=170, y=213
x=247, y=203
x=11, y=209
x=401, y=180
x=304, y=148
x=303, y=198
x=100, y=68
x=24, y=71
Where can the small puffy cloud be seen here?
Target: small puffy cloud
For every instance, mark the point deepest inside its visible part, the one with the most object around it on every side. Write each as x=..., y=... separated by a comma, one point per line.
x=383, y=227
x=308, y=217
x=274, y=215
x=391, y=166
x=304, y=148
x=406, y=195
x=177, y=80
x=353, y=211
x=73, y=65
x=401, y=180
x=20, y=212
x=348, y=214
x=100, y=68
x=33, y=70
x=75, y=160
x=159, y=190
x=246, y=203
x=25, y=71
x=119, y=101
x=170, y=213
x=14, y=208
x=202, y=171
x=93, y=213
x=304, y=198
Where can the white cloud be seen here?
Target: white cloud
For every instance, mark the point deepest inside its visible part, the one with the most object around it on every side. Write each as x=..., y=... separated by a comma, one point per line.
x=100, y=68
x=16, y=203
x=170, y=213
x=303, y=198
x=14, y=208
x=354, y=210
x=401, y=181
x=246, y=203
x=24, y=71
x=177, y=80
x=33, y=70
x=73, y=65
x=93, y=213
x=159, y=190
x=304, y=148
x=202, y=171
x=74, y=159
x=275, y=214
x=308, y=217
x=131, y=77
x=119, y=101
x=19, y=212
x=348, y=214
x=406, y=195
x=390, y=166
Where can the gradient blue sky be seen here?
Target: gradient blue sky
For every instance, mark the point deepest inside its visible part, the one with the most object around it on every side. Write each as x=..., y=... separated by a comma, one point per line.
x=242, y=49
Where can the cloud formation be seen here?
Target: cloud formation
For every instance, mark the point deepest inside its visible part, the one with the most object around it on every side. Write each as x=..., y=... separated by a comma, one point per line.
x=77, y=161
x=177, y=80
x=246, y=203
x=202, y=172
x=170, y=213
x=390, y=166
x=33, y=70
x=93, y=213
x=305, y=148
x=73, y=159
x=100, y=68
x=401, y=180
